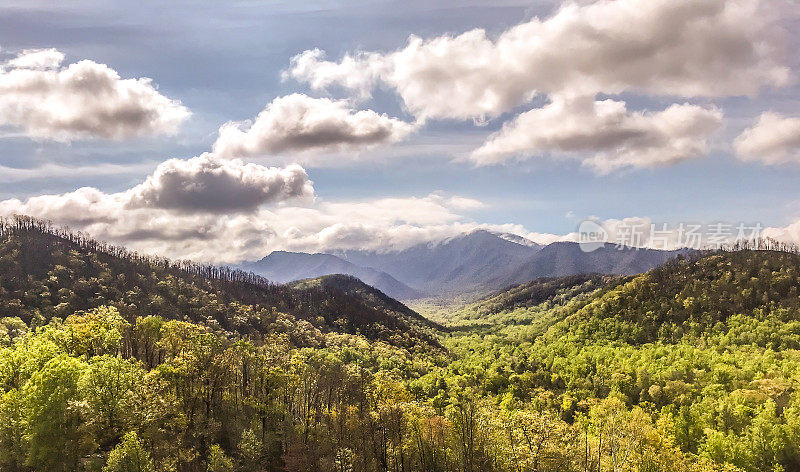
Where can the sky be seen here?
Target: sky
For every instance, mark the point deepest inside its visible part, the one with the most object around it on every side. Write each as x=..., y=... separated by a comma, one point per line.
x=222, y=131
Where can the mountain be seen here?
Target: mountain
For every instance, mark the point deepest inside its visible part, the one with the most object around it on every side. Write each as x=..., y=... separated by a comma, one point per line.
x=474, y=263
x=567, y=258
x=458, y=264
x=46, y=273
x=356, y=288
x=691, y=366
x=692, y=296
x=483, y=261
x=283, y=266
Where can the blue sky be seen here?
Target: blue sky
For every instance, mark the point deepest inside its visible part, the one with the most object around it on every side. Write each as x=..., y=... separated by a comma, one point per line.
x=224, y=61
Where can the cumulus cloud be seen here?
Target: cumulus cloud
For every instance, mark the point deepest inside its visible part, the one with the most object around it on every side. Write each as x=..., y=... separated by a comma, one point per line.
x=380, y=224
x=665, y=47
x=299, y=123
x=81, y=101
x=605, y=130
x=773, y=139
x=37, y=59
x=208, y=184
x=180, y=199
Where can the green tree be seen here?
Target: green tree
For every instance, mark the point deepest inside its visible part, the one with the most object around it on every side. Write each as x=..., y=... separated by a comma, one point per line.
x=106, y=387
x=129, y=456
x=218, y=461
x=56, y=433
x=12, y=429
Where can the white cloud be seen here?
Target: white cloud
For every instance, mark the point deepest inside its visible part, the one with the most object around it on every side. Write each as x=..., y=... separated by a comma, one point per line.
x=208, y=184
x=357, y=73
x=381, y=224
x=665, y=47
x=773, y=139
x=299, y=123
x=84, y=100
x=37, y=59
x=606, y=131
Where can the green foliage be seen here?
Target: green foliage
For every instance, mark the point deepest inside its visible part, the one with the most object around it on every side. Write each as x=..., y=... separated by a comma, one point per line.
x=47, y=273
x=691, y=367
x=129, y=456
x=218, y=461
x=57, y=439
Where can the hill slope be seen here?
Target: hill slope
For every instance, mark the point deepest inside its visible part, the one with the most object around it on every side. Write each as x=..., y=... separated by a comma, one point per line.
x=708, y=346
x=692, y=295
x=356, y=288
x=45, y=273
x=551, y=291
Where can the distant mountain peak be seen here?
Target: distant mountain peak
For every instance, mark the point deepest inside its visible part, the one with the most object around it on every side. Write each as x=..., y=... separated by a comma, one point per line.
x=515, y=238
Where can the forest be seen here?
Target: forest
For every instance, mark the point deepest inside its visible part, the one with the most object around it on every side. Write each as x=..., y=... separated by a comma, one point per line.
x=112, y=361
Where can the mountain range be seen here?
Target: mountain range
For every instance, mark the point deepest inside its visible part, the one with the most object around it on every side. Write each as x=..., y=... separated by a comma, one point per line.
x=283, y=267
x=473, y=263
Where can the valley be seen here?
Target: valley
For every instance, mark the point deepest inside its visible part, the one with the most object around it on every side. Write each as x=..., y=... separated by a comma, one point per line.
x=109, y=357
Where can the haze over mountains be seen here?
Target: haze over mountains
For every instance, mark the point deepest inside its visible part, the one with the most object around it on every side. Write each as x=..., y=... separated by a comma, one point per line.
x=283, y=267
x=475, y=262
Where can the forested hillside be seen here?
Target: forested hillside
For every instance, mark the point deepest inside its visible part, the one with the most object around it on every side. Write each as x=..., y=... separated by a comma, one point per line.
x=551, y=291
x=47, y=272
x=693, y=366
x=707, y=348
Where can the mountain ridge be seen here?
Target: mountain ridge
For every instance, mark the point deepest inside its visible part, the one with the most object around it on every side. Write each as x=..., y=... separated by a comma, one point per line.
x=287, y=266
x=474, y=263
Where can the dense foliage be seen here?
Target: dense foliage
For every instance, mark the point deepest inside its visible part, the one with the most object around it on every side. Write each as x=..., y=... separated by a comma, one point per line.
x=708, y=348
x=45, y=272
x=690, y=367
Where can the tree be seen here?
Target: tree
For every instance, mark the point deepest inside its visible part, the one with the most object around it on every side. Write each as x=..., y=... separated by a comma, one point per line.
x=129, y=456
x=218, y=461
x=12, y=429
x=56, y=433
x=106, y=386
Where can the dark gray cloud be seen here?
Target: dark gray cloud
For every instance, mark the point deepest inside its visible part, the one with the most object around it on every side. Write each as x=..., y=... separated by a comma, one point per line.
x=211, y=185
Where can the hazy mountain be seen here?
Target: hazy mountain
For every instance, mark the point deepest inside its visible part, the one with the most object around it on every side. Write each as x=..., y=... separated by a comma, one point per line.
x=459, y=264
x=473, y=263
x=283, y=266
x=566, y=258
